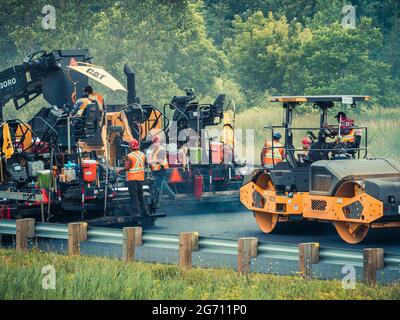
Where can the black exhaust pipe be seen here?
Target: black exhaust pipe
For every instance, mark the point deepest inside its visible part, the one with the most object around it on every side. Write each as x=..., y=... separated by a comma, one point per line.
x=131, y=84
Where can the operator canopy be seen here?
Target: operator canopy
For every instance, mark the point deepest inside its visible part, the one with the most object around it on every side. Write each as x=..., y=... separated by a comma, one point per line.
x=346, y=99
x=98, y=74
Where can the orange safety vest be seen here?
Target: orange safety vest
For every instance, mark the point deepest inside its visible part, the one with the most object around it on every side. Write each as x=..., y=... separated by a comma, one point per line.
x=84, y=104
x=277, y=151
x=156, y=161
x=136, y=171
x=98, y=98
x=348, y=137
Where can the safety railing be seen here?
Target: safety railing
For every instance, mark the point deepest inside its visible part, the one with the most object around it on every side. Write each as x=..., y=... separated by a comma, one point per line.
x=307, y=254
x=355, y=150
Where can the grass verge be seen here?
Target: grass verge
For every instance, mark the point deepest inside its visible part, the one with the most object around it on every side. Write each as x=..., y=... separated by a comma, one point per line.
x=101, y=278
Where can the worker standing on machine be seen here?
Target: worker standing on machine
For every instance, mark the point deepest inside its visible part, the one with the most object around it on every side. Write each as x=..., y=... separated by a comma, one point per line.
x=134, y=168
x=157, y=159
x=273, y=152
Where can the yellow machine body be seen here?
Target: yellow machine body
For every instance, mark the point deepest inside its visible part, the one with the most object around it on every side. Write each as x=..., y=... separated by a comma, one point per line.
x=151, y=126
x=309, y=206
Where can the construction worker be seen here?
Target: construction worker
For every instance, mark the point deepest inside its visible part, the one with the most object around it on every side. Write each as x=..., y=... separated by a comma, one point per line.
x=80, y=105
x=134, y=168
x=306, y=146
x=346, y=128
x=227, y=139
x=158, y=156
x=94, y=96
x=273, y=151
x=157, y=159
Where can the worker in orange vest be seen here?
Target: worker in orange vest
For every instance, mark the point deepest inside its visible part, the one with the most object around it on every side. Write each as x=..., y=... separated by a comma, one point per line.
x=94, y=96
x=273, y=152
x=346, y=131
x=134, y=168
x=157, y=158
x=80, y=106
x=88, y=97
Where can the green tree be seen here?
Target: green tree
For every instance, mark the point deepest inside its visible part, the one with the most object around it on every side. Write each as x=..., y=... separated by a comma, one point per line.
x=338, y=61
x=265, y=53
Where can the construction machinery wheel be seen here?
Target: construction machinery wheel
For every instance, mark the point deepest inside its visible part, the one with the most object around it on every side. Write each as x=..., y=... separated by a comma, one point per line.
x=351, y=232
x=266, y=221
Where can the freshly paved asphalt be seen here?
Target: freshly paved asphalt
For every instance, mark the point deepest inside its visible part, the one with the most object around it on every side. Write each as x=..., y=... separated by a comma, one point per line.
x=241, y=223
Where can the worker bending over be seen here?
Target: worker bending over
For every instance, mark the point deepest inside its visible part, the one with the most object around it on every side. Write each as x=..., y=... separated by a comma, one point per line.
x=157, y=158
x=273, y=151
x=134, y=168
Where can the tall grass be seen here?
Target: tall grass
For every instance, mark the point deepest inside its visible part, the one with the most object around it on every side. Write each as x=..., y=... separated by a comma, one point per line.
x=101, y=278
x=383, y=126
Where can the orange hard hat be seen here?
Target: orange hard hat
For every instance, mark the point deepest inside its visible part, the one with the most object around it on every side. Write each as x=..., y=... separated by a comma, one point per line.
x=134, y=144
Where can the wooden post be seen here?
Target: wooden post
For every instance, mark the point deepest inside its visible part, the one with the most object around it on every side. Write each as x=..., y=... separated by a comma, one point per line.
x=77, y=232
x=247, y=249
x=308, y=255
x=185, y=250
x=83, y=231
x=253, y=247
x=138, y=236
x=129, y=243
x=373, y=261
x=195, y=241
x=25, y=229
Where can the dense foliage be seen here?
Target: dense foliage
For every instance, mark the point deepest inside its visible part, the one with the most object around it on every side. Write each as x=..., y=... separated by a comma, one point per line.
x=248, y=49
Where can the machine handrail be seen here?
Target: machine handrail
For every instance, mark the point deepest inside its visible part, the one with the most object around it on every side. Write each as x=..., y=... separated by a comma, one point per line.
x=273, y=147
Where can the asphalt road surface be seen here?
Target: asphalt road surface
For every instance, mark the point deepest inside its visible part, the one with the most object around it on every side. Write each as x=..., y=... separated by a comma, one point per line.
x=241, y=223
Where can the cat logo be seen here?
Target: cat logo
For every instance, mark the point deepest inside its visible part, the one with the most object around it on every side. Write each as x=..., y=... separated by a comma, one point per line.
x=95, y=74
x=98, y=74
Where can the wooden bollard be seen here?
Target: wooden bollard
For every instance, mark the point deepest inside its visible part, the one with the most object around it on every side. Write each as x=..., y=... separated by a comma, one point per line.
x=247, y=249
x=132, y=238
x=195, y=241
x=25, y=228
x=185, y=249
x=77, y=232
x=373, y=261
x=308, y=255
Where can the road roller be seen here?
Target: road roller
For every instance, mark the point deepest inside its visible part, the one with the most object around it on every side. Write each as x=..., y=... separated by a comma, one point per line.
x=332, y=180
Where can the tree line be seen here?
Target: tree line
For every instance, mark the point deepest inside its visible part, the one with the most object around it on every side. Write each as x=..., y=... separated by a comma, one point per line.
x=247, y=49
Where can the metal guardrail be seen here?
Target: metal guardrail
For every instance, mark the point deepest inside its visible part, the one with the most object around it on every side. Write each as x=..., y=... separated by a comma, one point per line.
x=288, y=252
